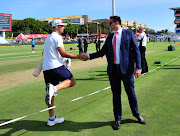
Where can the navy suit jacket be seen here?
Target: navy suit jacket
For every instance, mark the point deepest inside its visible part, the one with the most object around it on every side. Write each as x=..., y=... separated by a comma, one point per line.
x=129, y=53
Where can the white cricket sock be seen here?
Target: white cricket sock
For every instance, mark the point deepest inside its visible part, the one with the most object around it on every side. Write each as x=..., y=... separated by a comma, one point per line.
x=52, y=118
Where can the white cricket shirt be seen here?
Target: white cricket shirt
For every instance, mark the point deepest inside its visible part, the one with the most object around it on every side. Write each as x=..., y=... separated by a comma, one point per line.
x=51, y=57
x=144, y=41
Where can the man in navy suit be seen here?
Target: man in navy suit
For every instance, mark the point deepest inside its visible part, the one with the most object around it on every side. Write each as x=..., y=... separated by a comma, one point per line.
x=122, y=51
x=80, y=45
x=98, y=43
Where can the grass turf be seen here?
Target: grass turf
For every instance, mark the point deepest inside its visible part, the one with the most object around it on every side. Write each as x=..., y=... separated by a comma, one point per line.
x=9, y=54
x=157, y=94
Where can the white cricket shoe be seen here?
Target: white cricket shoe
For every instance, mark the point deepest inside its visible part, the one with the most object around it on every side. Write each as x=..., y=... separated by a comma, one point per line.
x=55, y=121
x=49, y=93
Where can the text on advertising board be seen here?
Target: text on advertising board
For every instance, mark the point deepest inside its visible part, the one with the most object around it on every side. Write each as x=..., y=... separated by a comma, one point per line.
x=5, y=22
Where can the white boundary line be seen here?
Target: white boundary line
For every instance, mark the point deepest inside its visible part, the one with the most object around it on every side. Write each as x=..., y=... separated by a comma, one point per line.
x=13, y=120
x=153, y=70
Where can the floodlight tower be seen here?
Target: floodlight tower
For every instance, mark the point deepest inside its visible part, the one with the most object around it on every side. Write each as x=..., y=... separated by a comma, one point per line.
x=113, y=8
x=177, y=19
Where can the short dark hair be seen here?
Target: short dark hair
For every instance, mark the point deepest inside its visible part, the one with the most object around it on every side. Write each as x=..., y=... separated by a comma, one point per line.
x=116, y=18
x=141, y=28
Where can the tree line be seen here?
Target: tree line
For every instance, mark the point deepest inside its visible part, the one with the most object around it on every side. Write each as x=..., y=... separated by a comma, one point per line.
x=33, y=26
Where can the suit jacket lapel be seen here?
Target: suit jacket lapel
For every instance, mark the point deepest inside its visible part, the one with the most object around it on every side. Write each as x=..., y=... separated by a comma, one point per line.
x=111, y=40
x=123, y=37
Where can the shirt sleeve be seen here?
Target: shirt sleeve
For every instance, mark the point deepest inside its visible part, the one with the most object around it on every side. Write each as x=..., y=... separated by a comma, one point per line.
x=140, y=37
x=59, y=42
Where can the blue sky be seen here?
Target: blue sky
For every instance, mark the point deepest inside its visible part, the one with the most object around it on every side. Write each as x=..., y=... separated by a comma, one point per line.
x=155, y=13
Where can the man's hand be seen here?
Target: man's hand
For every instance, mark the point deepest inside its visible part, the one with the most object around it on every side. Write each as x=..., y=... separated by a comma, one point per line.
x=137, y=40
x=83, y=57
x=137, y=72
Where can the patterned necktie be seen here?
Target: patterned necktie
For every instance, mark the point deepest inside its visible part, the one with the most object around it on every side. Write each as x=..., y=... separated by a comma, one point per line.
x=114, y=46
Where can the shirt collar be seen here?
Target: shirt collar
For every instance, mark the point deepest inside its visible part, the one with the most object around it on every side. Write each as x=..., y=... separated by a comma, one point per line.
x=119, y=30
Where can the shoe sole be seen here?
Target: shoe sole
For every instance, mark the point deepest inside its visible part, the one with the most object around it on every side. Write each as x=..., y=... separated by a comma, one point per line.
x=56, y=123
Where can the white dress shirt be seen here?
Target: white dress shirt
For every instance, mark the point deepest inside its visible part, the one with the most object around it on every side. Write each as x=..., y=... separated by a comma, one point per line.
x=118, y=44
x=144, y=41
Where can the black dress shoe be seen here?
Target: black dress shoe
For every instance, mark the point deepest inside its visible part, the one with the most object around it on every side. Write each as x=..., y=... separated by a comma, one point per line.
x=141, y=119
x=116, y=125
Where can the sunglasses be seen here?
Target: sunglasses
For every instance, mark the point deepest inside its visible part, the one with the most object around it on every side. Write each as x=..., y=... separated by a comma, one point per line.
x=110, y=23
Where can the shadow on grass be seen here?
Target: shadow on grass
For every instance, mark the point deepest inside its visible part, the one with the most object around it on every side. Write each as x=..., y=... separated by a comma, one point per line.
x=72, y=126
x=128, y=121
x=99, y=77
x=167, y=66
x=101, y=71
x=171, y=67
x=92, y=78
x=102, y=75
x=33, y=125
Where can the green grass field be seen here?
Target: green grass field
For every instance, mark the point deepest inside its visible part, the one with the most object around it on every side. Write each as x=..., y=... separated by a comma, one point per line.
x=157, y=94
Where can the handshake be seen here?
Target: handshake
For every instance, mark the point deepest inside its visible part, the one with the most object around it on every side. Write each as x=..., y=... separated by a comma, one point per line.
x=83, y=57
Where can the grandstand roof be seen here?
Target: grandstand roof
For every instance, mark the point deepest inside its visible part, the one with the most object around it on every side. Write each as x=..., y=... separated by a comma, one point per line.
x=174, y=8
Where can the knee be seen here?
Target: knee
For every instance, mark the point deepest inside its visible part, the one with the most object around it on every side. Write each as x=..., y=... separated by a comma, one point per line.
x=73, y=81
